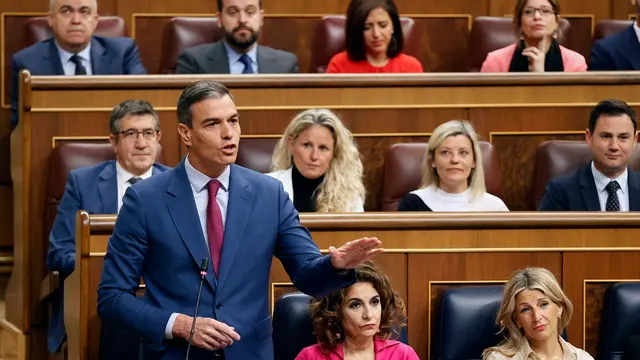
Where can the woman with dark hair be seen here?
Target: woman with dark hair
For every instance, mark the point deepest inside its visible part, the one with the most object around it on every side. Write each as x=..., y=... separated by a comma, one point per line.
x=374, y=41
x=359, y=321
x=537, y=48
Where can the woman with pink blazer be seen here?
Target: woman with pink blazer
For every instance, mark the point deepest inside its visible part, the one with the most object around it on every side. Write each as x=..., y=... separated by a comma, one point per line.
x=537, y=50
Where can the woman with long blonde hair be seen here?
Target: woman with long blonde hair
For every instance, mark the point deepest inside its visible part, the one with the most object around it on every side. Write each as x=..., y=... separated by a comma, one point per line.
x=319, y=165
x=533, y=314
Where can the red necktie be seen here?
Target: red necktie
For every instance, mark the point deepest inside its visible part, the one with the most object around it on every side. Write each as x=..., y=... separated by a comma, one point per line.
x=214, y=225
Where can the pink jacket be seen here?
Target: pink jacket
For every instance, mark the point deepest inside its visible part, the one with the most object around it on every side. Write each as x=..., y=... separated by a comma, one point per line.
x=384, y=349
x=499, y=60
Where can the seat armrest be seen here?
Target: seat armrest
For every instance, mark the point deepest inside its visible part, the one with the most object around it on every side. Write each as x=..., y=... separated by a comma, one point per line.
x=48, y=285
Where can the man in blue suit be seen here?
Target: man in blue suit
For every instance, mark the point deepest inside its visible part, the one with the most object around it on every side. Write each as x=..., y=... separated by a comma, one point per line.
x=620, y=51
x=73, y=50
x=606, y=183
x=98, y=189
x=209, y=208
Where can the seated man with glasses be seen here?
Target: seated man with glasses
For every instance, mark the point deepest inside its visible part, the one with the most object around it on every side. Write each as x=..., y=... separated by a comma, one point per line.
x=98, y=189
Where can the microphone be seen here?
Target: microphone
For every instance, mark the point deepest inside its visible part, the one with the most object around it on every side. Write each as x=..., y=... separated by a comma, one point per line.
x=203, y=273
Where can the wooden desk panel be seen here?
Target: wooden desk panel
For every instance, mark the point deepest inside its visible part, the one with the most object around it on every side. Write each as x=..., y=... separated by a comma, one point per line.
x=514, y=111
x=426, y=254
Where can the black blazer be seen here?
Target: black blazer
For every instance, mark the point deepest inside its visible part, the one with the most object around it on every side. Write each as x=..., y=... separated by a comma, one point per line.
x=562, y=194
x=616, y=52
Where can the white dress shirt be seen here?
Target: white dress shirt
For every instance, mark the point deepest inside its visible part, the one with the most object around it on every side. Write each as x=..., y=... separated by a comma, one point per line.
x=122, y=178
x=602, y=181
x=198, y=182
x=235, y=65
x=637, y=29
x=69, y=66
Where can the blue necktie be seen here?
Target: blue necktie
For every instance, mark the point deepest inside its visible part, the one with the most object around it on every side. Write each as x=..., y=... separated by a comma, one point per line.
x=246, y=60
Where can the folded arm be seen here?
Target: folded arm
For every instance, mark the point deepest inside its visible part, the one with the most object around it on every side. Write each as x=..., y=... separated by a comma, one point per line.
x=62, y=242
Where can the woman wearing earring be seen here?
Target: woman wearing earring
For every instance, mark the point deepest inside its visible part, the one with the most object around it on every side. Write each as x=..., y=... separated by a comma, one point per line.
x=537, y=49
x=374, y=41
x=358, y=322
x=533, y=314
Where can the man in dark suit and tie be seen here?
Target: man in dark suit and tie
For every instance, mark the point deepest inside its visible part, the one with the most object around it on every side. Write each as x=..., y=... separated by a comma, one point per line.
x=73, y=50
x=98, y=189
x=238, y=52
x=620, y=51
x=209, y=208
x=606, y=183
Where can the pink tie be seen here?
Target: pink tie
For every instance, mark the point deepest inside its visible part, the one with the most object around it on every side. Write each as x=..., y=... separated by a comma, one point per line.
x=214, y=225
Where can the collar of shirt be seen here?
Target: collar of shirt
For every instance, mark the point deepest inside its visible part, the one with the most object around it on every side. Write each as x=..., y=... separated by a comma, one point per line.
x=123, y=175
x=199, y=180
x=234, y=56
x=65, y=56
x=637, y=29
x=602, y=180
x=569, y=352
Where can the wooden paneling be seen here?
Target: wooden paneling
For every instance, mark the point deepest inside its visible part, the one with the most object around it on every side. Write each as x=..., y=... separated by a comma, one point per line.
x=581, y=34
x=427, y=254
x=517, y=171
x=443, y=41
x=6, y=216
x=13, y=40
x=5, y=145
x=591, y=267
x=621, y=9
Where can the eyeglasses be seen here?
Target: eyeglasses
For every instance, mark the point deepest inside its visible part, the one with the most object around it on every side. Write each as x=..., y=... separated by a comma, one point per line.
x=132, y=134
x=544, y=11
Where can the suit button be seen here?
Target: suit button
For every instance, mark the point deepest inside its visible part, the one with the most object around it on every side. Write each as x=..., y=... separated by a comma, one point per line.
x=218, y=306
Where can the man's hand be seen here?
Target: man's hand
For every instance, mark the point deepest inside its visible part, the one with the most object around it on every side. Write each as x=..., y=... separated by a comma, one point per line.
x=208, y=334
x=355, y=252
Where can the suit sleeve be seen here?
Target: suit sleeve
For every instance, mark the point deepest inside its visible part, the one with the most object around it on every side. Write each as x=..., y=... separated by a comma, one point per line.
x=311, y=273
x=553, y=198
x=16, y=66
x=295, y=68
x=132, y=63
x=490, y=64
x=187, y=64
x=600, y=59
x=62, y=242
x=122, y=271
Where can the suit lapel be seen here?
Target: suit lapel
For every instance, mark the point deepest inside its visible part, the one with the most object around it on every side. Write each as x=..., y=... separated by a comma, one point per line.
x=52, y=57
x=588, y=189
x=100, y=60
x=634, y=190
x=108, y=188
x=183, y=211
x=632, y=47
x=219, y=59
x=266, y=64
x=240, y=199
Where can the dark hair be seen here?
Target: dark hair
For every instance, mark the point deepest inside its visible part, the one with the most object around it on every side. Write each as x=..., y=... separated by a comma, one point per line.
x=357, y=15
x=327, y=315
x=196, y=92
x=131, y=107
x=611, y=107
x=221, y=4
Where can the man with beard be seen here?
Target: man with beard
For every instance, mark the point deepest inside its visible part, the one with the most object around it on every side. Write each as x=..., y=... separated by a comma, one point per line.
x=606, y=183
x=238, y=52
x=620, y=51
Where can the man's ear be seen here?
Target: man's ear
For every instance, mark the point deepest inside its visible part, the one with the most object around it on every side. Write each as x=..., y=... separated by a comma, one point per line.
x=185, y=134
